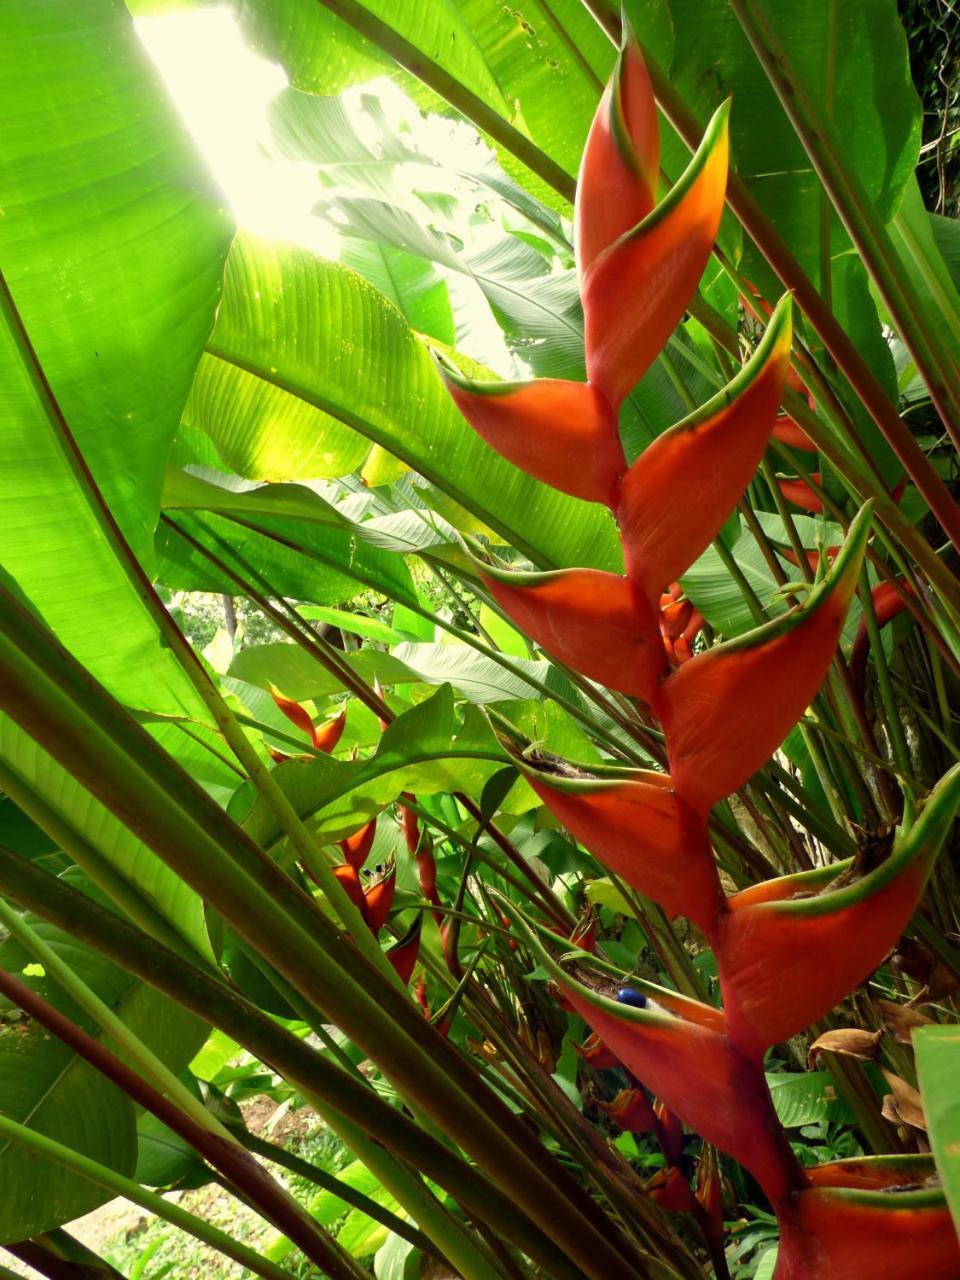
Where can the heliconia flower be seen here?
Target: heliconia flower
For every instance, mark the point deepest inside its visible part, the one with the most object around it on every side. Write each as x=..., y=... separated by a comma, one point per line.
x=596, y=1054
x=635, y=292
x=349, y=878
x=727, y=710
x=670, y=1132
x=294, y=711
x=789, y=433
x=709, y=458
x=356, y=847
x=562, y=433
x=671, y=1191
x=635, y=824
x=631, y=1111
x=872, y=1216
x=620, y=166
x=784, y=948
x=678, y=1049
x=403, y=954
x=800, y=494
x=328, y=735
x=598, y=623
x=378, y=899
x=888, y=602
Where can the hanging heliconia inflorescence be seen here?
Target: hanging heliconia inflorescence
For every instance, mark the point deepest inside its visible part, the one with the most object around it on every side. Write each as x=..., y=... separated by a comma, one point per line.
x=789, y=949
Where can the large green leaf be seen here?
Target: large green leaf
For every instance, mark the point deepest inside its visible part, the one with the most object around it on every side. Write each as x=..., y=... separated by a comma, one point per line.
x=319, y=331
x=852, y=59
x=810, y=1098
x=426, y=750
x=112, y=241
x=539, y=69
x=262, y=432
x=938, y=1067
x=45, y=1085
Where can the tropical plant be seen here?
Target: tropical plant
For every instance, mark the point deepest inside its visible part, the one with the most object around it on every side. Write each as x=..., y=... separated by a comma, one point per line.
x=566, y=834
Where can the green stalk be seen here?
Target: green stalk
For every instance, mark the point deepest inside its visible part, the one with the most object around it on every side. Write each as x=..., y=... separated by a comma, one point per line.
x=858, y=215
x=239, y=1173
x=265, y=908
x=126, y=895
x=118, y=1185
x=328, y=1182
x=328, y=1088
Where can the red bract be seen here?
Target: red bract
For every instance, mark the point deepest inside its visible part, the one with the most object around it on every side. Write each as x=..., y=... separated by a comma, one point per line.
x=785, y=957
x=328, y=735
x=671, y=1191
x=403, y=954
x=638, y=827
x=620, y=167
x=563, y=433
x=851, y=1223
x=636, y=291
x=631, y=1111
x=357, y=847
x=801, y=495
x=295, y=713
x=597, y=623
x=728, y=709
x=378, y=899
x=709, y=459
x=680, y=1051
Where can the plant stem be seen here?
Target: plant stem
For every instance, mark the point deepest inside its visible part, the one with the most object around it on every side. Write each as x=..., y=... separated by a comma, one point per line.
x=205, y=1134
x=118, y=1185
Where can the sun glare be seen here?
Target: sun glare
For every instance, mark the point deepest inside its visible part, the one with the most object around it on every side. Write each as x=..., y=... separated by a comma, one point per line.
x=222, y=90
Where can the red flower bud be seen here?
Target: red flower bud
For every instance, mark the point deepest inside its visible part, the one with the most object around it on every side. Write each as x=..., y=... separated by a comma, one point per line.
x=403, y=954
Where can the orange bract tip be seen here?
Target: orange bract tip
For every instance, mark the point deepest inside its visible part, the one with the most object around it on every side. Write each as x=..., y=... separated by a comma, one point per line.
x=562, y=433
x=356, y=847
x=636, y=291
x=595, y=622
x=620, y=167
x=294, y=712
x=328, y=735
